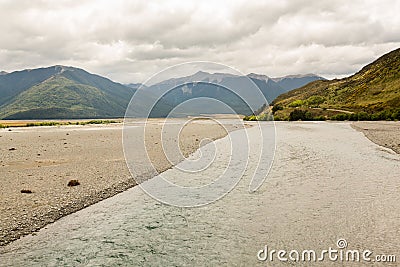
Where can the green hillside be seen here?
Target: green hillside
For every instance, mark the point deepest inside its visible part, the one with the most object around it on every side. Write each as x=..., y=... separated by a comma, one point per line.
x=61, y=92
x=59, y=97
x=371, y=93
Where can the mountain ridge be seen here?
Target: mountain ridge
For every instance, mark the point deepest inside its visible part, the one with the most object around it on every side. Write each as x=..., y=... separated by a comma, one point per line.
x=373, y=91
x=230, y=89
x=89, y=95
x=67, y=92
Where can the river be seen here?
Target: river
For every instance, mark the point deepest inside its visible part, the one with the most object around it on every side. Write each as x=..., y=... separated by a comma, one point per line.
x=328, y=182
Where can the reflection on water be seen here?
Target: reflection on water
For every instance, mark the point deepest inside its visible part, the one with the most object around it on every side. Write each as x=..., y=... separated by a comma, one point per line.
x=328, y=181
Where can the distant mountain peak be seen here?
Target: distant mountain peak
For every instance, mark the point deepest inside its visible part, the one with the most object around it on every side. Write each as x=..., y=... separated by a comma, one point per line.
x=216, y=76
x=298, y=76
x=258, y=76
x=200, y=72
x=62, y=68
x=61, y=92
x=56, y=69
x=200, y=76
x=3, y=72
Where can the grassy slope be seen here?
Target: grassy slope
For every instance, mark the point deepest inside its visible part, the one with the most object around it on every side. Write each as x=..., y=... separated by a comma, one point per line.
x=15, y=83
x=59, y=97
x=375, y=88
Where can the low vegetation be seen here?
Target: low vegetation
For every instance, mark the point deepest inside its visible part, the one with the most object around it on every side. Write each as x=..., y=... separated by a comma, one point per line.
x=364, y=116
x=262, y=117
x=97, y=122
x=306, y=114
x=49, y=123
x=373, y=93
x=262, y=114
x=55, y=123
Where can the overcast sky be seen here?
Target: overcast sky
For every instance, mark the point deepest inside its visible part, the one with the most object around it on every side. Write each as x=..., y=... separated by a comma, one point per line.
x=128, y=41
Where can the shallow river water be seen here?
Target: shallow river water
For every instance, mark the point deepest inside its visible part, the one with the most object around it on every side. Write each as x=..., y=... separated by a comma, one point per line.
x=328, y=182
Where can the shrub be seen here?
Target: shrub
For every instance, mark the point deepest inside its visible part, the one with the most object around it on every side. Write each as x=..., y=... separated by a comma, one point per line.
x=253, y=118
x=96, y=122
x=265, y=117
x=275, y=108
x=319, y=118
x=315, y=100
x=396, y=115
x=299, y=114
x=296, y=103
x=340, y=117
x=363, y=116
x=353, y=117
x=382, y=115
x=46, y=123
x=247, y=118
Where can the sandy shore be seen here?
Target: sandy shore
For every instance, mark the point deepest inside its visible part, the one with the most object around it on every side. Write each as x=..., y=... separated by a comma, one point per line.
x=44, y=159
x=384, y=133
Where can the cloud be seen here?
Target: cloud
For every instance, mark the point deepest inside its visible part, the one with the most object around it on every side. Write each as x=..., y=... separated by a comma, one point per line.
x=129, y=41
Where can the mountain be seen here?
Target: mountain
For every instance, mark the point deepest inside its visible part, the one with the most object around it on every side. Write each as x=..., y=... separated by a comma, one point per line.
x=258, y=76
x=61, y=92
x=135, y=85
x=291, y=82
x=223, y=88
x=269, y=87
x=3, y=72
x=373, y=92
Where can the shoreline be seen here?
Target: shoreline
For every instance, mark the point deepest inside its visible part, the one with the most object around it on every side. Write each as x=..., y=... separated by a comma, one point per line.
x=101, y=176
x=383, y=133
x=23, y=218
x=328, y=179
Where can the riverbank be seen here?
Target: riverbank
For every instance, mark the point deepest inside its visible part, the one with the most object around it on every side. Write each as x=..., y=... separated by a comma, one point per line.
x=329, y=188
x=42, y=160
x=383, y=133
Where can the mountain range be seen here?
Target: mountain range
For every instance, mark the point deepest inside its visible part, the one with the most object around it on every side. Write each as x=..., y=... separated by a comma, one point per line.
x=60, y=92
x=372, y=93
x=232, y=90
x=291, y=82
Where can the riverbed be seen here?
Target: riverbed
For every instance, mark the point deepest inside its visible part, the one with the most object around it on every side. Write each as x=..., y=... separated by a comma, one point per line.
x=327, y=183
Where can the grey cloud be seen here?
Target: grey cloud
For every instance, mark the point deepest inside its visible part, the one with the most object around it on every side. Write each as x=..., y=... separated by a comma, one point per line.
x=130, y=40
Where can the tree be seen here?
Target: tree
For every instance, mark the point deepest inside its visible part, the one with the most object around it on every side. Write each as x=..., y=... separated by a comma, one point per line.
x=299, y=114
